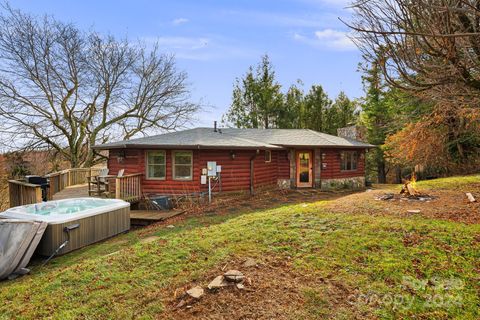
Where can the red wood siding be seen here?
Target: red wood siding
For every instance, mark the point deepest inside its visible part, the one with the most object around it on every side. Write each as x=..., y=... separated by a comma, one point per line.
x=235, y=172
x=333, y=171
x=283, y=165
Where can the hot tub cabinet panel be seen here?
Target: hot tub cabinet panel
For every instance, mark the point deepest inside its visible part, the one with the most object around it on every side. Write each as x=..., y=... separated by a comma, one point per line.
x=92, y=229
x=87, y=220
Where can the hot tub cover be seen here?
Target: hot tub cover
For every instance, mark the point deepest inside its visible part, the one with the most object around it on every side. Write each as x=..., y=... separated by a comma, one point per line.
x=18, y=241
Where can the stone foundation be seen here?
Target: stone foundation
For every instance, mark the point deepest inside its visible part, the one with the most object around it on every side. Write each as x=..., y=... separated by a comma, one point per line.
x=343, y=183
x=284, y=183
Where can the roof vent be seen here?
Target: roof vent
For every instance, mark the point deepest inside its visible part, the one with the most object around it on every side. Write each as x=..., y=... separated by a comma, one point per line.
x=214, y=126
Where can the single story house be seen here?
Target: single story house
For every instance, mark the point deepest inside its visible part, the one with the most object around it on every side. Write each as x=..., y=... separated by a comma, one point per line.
x=246, y=159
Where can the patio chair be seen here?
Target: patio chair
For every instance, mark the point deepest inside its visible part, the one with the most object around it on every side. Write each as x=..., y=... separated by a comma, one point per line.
x=98, y=185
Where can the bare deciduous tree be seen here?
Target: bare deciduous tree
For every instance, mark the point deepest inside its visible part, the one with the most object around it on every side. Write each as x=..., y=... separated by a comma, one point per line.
x=64, y=89
x=429, y=48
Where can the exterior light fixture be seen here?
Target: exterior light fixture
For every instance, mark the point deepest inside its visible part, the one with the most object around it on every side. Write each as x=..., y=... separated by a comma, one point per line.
x=121, y=156
x=232, y=155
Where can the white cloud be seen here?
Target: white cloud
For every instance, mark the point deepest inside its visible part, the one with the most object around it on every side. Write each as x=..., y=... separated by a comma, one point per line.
x=282, y=20
x=201, y=48
x=335, y=39
x=328, y=39
x=189, y=43
x=179, y=21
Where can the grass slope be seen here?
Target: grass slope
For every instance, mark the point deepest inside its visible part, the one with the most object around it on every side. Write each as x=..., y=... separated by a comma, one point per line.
x=390, y=267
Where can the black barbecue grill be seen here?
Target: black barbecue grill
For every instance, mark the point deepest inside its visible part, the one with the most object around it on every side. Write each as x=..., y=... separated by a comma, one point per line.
x=42, y=182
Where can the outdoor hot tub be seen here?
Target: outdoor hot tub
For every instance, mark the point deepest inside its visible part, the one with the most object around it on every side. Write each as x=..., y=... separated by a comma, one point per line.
x=82, y=220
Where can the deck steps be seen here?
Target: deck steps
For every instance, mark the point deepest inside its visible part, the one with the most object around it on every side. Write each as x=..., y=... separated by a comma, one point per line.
x=146, y=217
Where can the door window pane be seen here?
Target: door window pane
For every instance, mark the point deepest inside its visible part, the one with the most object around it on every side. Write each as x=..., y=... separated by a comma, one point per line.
x=304, y=167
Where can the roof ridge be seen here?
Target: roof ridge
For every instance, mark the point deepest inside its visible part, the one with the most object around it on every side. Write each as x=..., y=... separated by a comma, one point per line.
x=250, y=140
x=157, y=135
x=322, y=134
x=331, y=135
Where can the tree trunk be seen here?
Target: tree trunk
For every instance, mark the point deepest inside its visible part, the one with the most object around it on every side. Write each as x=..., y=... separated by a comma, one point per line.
x=398, y=174
x=381, y=173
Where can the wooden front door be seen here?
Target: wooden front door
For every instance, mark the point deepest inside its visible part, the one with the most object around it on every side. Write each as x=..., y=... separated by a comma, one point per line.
x=304, y=169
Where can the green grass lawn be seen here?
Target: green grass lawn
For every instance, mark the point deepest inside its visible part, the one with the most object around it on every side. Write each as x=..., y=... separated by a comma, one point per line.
x=393, y=267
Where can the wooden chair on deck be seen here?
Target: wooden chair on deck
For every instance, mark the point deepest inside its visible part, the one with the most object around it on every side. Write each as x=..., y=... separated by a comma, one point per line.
x=98, y=185
x=107, y=179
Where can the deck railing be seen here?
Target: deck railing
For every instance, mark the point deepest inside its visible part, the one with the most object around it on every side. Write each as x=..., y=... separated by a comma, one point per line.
x=129, y=187
x=22, y=193
x=69, y=177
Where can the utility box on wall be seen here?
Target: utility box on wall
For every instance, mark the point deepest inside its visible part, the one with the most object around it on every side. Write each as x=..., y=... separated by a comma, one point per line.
x=212, y=168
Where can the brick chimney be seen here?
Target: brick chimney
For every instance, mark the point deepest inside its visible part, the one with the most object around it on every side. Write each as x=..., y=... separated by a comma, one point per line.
x=354, y=132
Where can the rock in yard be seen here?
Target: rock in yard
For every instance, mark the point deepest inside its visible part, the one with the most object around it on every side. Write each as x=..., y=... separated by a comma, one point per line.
x=413, y=211
x=234, y=276
x=196, y=292
x=218, y=282
x=240, y=286
x=180, y=304
x=249, y=263
x=170, y=226
x=387, y=196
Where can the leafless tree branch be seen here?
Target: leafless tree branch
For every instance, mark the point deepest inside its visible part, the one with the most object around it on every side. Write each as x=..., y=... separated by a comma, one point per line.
x=68, y=90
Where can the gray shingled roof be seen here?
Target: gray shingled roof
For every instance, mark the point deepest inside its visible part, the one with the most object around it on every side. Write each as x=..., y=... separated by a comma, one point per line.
x=295, y=137
x=227, y=138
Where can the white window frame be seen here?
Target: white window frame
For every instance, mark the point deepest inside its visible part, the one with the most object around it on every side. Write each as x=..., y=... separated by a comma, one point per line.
x=148, y=164
x=190, y=178
x=269, y=156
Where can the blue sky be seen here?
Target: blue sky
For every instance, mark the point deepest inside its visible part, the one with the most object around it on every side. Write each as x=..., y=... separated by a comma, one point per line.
x=216, y=41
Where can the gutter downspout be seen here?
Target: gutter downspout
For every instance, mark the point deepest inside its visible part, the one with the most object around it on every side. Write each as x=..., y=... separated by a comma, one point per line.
x=252, y=172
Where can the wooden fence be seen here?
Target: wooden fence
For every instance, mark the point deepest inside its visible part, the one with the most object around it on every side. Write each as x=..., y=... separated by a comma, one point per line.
x=22, y=193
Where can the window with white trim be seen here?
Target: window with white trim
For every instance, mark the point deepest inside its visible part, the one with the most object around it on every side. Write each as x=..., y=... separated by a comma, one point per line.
x=156, y=164
x=268, y=156
x=348, y=160
x=182, y=165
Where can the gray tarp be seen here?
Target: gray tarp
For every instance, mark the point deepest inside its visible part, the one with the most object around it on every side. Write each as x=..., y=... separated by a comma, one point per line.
x=18, y=241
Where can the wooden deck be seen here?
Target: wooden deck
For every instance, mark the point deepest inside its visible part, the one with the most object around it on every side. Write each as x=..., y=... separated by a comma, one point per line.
x=137, y=217
x=71, y=183
x=79, y=191
x=146, y=217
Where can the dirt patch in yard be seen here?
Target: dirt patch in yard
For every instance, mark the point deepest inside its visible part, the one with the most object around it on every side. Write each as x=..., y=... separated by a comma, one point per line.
x=228, y=204
x=265, y=199
x=273, y=290
x=450, y=205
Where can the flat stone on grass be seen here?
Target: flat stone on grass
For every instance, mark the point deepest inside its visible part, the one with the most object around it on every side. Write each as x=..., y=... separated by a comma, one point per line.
x=196, y=292
x=249, y=263
x=234, y=276
x=218, y=282
x=413, y=211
